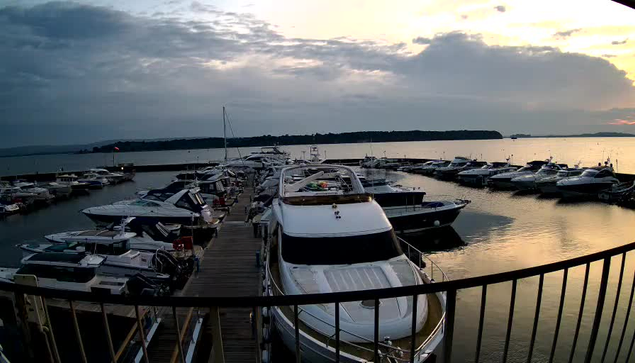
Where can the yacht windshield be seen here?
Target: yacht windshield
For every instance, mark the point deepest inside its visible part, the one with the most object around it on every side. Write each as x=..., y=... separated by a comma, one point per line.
x=589, y=173
x=340, y=250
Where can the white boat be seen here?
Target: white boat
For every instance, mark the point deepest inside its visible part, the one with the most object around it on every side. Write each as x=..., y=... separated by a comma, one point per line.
x=548, y=185
x=453, y=168
x=528, y=182
x=479, y=177
x=589, y=184
x=504, y=180
x=430, y=167
x=64, y=271
x=8, y=209
x=93, y=180
x=58, y=190
x=139, y=241
x=71, y=180
x=113, y=178
x=334, y=238
x=29, y=190
x=186, y=207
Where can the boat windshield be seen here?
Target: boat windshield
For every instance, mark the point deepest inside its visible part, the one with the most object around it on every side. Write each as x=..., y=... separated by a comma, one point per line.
x=589, y=173
x=340, y=250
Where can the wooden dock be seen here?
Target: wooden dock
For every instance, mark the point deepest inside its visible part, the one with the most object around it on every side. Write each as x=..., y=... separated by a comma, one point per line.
x=227, y=268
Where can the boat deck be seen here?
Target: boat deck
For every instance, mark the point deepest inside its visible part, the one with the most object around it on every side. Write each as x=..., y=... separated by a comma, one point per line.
x=227, y=268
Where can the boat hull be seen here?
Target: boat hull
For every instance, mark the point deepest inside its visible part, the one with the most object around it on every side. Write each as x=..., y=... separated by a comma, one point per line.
x=422, y=219
x=585, y=191
x=473, y=180
x=107, y=219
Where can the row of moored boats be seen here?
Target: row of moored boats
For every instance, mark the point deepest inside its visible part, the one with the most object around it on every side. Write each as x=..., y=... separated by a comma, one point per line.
x=541, y=176
x=20, y=195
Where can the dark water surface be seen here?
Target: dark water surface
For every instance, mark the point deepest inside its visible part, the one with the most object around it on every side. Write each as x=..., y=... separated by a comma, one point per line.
x=498, y=231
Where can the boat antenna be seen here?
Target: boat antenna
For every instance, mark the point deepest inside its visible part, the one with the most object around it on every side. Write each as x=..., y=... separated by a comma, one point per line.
x=225, y=133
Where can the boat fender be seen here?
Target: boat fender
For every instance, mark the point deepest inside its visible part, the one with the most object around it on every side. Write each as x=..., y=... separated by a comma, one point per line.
x=265, y=311
x=265, y=335
x=437, y=223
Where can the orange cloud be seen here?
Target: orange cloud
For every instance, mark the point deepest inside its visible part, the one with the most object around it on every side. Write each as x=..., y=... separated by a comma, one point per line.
x=621, y=122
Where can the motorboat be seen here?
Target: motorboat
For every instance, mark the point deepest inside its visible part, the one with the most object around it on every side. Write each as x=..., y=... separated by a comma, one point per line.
x=186, y=207
x=430, y=167
x=140, y=237
x=328, y=236
x=504, y=180
x=413, y=218
x=120, y=260
x=547, y=185
x=8, y=209
x=314, y=155
x=479, y=177
x=73, y=181
x=32, y=191
x=66, y=271
x=58, y=190
x=368, y=162
x=113, y=178
x=450, y=171
x=620, y=194
x=589, y=184
x=93, y=180
x=528, y=182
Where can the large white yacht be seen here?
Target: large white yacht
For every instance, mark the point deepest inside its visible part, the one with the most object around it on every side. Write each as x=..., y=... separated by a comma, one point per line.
x=504, y=180
x=186, y=207
x=328, y=235
x=479, y=177
x=591, y=182
x=528, y=182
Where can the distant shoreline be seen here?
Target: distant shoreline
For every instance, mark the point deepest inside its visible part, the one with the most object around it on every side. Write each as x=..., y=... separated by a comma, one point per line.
x=597, y=134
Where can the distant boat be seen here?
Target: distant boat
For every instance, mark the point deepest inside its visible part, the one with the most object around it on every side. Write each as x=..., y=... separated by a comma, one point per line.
x=514, y=137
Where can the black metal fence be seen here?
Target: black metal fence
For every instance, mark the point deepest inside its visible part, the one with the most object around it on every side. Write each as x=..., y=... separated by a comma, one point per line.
x=617, y=334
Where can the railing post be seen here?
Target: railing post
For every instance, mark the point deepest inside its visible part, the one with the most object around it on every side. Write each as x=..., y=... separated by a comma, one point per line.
x=510, y=319
x=78, y=335
x=376, y=332
x=450, y=308
x=217, y=337
x=479, y=337
x=413, y=331
x=534, y=330
x=617, y=301
x=598, y=311
x=296, y=326
x=559, y=319
x=178, y=334
x=141, y=335
x=337, y=332
x=111, y=348
x=56, y=352
x=628, y=313
x=585, y=285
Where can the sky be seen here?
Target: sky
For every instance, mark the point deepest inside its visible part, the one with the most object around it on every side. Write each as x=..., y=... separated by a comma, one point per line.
x=80, y=72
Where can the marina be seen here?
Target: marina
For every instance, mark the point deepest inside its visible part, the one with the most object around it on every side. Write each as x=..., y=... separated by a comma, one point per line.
x=231, y=265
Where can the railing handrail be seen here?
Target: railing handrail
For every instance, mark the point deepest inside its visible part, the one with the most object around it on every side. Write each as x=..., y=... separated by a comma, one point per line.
x=308, y=299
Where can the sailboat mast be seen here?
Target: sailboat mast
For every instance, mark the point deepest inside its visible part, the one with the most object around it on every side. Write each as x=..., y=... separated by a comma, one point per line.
x=225, y=133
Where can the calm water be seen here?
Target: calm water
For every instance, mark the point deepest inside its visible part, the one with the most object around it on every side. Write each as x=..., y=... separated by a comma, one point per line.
x=589, y=151
x=498, y=231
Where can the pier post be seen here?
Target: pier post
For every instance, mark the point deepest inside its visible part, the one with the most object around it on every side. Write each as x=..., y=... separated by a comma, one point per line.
x=218, y=355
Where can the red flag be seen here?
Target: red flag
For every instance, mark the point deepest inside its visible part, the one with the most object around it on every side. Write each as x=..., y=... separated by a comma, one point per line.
x=116, y=148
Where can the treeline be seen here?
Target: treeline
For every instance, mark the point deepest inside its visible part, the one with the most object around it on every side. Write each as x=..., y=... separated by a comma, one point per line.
x=265, y=140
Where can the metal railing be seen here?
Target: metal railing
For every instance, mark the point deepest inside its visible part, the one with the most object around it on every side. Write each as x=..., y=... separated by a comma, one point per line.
x=449, y=288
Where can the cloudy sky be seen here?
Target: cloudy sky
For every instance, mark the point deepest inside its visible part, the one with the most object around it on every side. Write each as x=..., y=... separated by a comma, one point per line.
x=78, y=72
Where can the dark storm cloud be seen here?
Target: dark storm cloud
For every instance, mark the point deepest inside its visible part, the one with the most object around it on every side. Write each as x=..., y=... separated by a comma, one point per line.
x=74, y=73
x=500, y=8
x=566, y=33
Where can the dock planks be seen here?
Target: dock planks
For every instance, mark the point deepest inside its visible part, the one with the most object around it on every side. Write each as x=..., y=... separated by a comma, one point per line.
x=227, y=268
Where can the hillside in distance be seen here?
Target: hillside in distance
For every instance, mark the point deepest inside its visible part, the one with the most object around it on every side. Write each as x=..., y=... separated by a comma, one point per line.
x=265, y=140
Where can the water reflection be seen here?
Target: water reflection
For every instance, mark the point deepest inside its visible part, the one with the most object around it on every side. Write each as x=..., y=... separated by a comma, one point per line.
x=440, y=239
